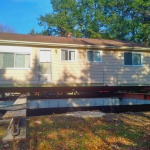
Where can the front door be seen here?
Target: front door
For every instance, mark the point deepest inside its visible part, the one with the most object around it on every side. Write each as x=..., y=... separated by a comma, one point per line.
x=45, y=66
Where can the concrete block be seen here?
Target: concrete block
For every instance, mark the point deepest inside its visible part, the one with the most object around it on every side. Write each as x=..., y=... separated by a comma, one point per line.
x=129, y=101
x=99, y=102
x=111, y=102
x=62, y=103
x=6, y=103
x=2, y=102
x=146, y=101
x=140, y=102
x=121, y=101
x=43, y=103
x=89, y=101
x=132, y=101
x=11, y=102
x=33, y=104
x=107, y=102
x=80, y=102
x=115, y=101
x=53, y=103
x=125, y=101
x=77, y=103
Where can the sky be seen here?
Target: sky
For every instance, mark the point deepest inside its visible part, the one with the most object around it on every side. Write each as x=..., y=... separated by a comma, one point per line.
x=21, y=15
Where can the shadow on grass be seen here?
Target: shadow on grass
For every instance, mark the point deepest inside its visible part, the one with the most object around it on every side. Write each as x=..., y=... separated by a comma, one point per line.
x=62, y=132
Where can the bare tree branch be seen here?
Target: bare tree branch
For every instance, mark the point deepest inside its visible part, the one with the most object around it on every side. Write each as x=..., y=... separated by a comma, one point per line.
x=5, y=28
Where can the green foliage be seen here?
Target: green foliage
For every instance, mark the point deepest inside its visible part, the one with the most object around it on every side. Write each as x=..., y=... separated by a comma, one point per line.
x=109, y=19
x=32, y=31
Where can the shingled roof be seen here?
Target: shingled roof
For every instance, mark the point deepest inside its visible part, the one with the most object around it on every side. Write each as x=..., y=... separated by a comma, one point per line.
x=64, y=40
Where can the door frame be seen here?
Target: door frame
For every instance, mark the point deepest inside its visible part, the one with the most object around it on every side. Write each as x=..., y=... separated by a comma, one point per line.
x=38, y=70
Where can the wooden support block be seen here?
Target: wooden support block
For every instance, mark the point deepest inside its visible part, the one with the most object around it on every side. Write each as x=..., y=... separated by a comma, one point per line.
x=22, y=126
x=14, y=107
x=15, y=114
x=22, y=99
x=17, y=127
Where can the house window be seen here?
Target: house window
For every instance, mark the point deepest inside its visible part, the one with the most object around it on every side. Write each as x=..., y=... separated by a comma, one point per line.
x=132, y=58
x=68, y=55
x=14, y=60
x=94, y=56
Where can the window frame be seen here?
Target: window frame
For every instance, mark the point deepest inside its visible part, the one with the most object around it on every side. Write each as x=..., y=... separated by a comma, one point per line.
x=68, y=50
x=132, y=58
x=93, y=55
x=49, y=50
x=14, y=54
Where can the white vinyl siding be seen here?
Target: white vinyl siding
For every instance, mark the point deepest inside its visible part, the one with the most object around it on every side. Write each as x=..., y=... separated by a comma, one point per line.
x=132, y=59
x=94, y=56
x=68, y=55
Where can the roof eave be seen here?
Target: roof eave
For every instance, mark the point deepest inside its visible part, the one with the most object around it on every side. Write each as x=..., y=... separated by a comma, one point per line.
x=45, y=44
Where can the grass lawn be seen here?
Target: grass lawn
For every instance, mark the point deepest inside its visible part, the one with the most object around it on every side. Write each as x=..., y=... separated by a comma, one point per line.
x=122, y=131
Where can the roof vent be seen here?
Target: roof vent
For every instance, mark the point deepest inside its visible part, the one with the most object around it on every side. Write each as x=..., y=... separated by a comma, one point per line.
x=69, y=35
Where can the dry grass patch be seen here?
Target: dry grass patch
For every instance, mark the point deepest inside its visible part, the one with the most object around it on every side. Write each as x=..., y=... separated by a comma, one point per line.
x=111, y=132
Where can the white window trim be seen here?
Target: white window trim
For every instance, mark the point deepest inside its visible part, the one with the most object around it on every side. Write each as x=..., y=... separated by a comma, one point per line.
x=17, y=50
x=93, y=55
x=68, y=53
x=132, y=58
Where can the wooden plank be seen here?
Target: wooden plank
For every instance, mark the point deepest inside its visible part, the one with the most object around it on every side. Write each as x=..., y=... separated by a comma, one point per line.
x=14, y=107
x=21, y=100
x=17, y=104
x=15, y=114
x=22, y=126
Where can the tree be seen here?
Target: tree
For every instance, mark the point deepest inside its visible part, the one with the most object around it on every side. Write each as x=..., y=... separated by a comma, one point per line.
x=125, y=21
x=32, y=32
x=5, y=28
x=81, y=17
x=109, y=19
